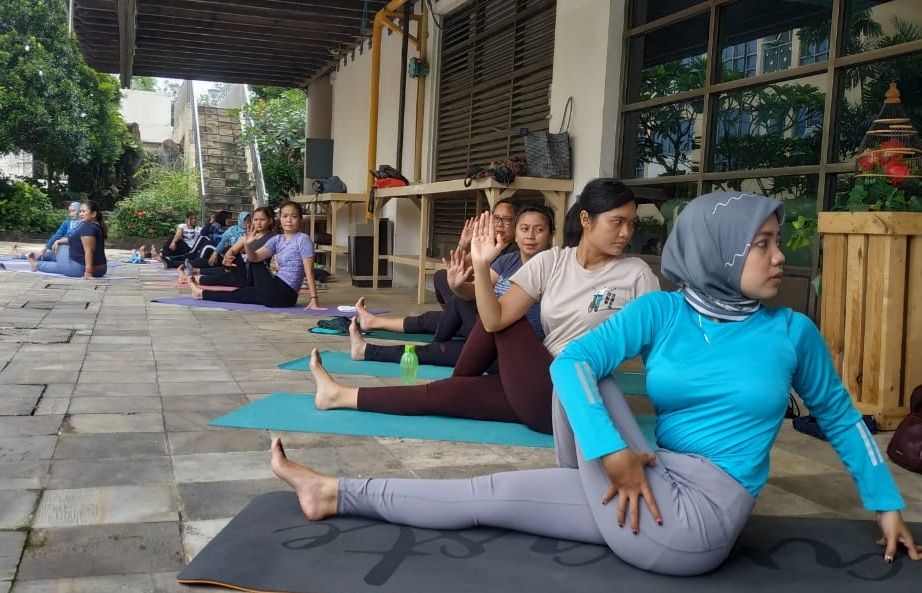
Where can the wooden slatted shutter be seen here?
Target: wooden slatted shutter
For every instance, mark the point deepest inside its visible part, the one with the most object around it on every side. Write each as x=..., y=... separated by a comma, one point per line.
x=497, y=61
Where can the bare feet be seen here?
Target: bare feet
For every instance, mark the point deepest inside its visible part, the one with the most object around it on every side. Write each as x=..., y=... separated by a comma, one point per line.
x=356, y=343
x=15, y=251
x=366, y=320
x=183, y=277
x=330, y=394
x=195, y=281
x=32, y=261
x=196, y=292
x=317, y=493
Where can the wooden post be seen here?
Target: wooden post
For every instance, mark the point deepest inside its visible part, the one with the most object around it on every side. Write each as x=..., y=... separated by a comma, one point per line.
x=871, y=313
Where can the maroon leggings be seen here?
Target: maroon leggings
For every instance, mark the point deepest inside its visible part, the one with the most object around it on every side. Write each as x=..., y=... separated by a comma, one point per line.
x=520, y=392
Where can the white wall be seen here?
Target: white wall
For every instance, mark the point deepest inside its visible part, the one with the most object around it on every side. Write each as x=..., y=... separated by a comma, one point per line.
x=351, y=102
x=151, y=111
x=587, y=66
x=16, y=164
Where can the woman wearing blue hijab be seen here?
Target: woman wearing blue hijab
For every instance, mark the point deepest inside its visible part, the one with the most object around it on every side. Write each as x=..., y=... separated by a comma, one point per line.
x=720, y=366
x=60, y=236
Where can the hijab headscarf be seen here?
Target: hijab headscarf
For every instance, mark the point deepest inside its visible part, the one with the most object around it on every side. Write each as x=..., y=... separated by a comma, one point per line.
x=75, y=223
x=706, y=251
x=233, y=234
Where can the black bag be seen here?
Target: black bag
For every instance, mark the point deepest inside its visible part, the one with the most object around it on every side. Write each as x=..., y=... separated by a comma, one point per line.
x=329, y=185
x=547, y=154
x=905, y=448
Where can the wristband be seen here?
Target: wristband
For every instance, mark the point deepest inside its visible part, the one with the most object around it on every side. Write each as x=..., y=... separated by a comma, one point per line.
x=313, y=296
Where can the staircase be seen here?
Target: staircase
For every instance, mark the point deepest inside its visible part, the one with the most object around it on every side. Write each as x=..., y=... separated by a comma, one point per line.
x=227, y=183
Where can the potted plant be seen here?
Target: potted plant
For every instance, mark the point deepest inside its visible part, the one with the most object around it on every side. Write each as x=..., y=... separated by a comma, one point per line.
x=871, y=308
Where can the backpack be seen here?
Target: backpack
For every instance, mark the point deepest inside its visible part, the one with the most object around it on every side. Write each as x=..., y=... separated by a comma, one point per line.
x=329, y=185
x=387, y=176
x=905, y=448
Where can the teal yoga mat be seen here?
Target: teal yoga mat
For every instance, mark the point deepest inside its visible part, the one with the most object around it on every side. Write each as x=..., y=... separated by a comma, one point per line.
x=379, y=334
x=339, y=362
x=295, y=412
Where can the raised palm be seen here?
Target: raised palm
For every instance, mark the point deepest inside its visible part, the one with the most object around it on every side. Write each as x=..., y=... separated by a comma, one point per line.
x=486, y=245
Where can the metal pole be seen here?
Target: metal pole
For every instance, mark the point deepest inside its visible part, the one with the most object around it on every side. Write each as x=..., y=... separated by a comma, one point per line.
x=198, y=148
x=404, y=49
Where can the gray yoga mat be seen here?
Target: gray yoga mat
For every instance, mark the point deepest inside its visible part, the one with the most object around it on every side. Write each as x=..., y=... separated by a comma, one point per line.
x=270, y=546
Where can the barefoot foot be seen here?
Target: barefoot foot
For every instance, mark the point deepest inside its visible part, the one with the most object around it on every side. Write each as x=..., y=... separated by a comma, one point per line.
x=15, y=252
x=183, y=277
x=317, y=493
x=330, y=394
x=33, y=263
x=367, y=320
x=356, y=343
x=196, y=292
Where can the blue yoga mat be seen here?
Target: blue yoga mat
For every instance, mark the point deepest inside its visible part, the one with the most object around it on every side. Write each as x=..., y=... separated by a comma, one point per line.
x=340, y=362
x=296, y=310
x=295, y=412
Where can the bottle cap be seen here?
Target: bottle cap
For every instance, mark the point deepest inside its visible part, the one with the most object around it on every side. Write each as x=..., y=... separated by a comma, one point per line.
x=410, y=348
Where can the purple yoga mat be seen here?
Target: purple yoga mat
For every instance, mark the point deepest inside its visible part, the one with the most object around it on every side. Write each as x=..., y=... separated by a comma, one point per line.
x=297, y=310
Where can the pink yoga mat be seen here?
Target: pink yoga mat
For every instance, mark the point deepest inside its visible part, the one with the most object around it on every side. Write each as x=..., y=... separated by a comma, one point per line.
x=180, y=285
x=296, y=310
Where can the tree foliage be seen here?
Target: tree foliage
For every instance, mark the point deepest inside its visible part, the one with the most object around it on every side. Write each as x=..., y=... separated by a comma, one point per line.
x=51, y=103
x=277, y=125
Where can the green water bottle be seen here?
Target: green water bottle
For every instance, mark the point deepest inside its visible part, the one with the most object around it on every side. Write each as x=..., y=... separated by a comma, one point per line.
x=409, y=365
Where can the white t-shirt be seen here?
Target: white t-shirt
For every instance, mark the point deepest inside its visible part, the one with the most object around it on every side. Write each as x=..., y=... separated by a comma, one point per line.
x=575, y=300
x=190, y=234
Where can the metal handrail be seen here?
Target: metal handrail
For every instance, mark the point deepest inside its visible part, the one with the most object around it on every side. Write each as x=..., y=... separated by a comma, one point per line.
x=198, y=149
x=262, y=196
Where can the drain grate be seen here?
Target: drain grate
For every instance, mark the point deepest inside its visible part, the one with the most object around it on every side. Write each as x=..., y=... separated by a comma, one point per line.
x=21, y=335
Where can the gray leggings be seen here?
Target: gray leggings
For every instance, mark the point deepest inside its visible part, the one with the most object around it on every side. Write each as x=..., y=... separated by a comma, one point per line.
x=703, y=508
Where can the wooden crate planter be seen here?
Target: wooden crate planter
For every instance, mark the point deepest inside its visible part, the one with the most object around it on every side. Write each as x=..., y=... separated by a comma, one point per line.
x=871, y=314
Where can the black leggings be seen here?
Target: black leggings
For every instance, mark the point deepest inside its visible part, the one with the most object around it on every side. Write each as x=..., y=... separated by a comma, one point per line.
x=175, y=257
x=267, y=290
x=233, y=276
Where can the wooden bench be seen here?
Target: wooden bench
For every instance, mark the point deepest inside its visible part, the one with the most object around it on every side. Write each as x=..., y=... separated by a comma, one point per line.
x=554, y=191
x=335, y=202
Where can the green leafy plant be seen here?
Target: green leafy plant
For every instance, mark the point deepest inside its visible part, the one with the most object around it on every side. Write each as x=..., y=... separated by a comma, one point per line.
x=158, y=206
x=26, y=208
x=804, y=231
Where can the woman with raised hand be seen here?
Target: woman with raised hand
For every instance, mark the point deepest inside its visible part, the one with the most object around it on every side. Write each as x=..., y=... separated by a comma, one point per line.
x=84, y=253
x=294, y=254
x=534, y=233
x=579, y=286
x=720, y=366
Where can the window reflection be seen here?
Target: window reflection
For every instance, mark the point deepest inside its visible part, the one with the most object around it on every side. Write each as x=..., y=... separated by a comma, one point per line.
x=667, y=140
x=760, y=37
x=669, y=60
x=644, y=11
x=872, y=24
x=777, y=125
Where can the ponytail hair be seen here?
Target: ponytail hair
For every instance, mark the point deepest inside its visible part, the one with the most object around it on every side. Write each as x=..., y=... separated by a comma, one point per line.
x=598, y=196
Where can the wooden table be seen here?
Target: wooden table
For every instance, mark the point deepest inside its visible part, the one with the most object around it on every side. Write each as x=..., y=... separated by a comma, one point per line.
x=554, y=191
x=336, y=201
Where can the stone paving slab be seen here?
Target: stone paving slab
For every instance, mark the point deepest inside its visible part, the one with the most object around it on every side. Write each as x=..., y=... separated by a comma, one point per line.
x=197, y=534
x=116, y=390
x=11, y=545
x=220, y=404
x=106, y=423
x=21, y=448
x=118, y=405
x=130, y=583
x=115, y=471
x=99, y=550
x=106, y=506
x=13, y=426
x=214, y=388
x=218, y=467
x=201, y=501
x=24, y=475
x=16, y=508
x=100, y=446
x=193, y=443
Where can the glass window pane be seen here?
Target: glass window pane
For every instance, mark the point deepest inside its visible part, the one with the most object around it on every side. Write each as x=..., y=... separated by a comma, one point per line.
x=758, y=37
x=645, y=11
x=657, y=208
x=669, y=60
x=777, y=125
x=799, y=193
x=666, y=140
x=861, y=96
x=872, y=24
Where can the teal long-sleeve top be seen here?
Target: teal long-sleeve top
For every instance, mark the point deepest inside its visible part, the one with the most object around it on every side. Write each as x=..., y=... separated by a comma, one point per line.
x=720, y=390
